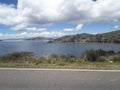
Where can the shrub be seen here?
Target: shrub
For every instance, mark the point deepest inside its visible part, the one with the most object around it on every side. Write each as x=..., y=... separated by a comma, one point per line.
x=68, y=58
x=50, y=56
x=17, y=56
x=91, y=55
x=116, y=58
x=101, y=59
x=94, y=55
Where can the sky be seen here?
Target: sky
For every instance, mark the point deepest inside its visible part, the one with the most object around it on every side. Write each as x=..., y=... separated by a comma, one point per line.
x=56, y=18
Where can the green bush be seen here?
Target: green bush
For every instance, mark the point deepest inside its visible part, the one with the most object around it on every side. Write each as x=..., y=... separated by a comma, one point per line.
x=53, y=59
x=16, y=56
x=116, y=58
x=94, y=55
x=68, y=58
x=101, y=59
x=91, y=55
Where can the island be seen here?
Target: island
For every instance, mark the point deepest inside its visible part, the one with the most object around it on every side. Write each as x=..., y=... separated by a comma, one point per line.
x=109, y=37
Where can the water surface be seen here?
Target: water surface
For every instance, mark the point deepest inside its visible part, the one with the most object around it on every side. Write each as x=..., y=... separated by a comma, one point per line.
x=42, y=48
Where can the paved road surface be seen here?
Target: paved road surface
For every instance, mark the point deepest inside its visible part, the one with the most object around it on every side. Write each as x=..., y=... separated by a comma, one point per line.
x=58, y=80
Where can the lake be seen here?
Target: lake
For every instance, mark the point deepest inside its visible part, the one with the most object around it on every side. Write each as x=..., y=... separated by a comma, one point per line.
x=42, y=48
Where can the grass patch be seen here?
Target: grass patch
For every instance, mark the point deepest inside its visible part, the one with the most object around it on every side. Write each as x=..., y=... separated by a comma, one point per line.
x=92, y=59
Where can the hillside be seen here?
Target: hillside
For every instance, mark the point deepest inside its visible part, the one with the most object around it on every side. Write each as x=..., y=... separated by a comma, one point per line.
x=110, y=37
x=38, y=38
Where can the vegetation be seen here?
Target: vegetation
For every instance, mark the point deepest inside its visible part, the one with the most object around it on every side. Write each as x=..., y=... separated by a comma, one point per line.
x=97, y=55
x=39, y=38
x=110, y=37
x=16, y=56
x=91, y=59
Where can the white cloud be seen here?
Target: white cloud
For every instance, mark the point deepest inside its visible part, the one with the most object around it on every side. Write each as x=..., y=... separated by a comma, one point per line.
x=116, y=27
x=19, y=27
x=77, y=28
x=68, y=29
x=1, y=35
x=23, y=27
x=36, y=29
x=7, y=13
x=29, y=35
x=38, y=12
x=47, y=11
x=23, y=33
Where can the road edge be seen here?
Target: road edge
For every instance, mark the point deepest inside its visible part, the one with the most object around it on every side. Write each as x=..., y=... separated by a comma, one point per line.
x=47, y=69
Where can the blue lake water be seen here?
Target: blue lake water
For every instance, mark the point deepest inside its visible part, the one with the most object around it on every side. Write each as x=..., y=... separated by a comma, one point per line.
x=42, y=48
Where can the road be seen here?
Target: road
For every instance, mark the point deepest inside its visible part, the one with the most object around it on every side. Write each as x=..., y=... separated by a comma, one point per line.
x=13, y=79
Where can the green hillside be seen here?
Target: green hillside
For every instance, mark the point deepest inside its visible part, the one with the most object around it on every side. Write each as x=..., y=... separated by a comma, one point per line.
x=110, y=37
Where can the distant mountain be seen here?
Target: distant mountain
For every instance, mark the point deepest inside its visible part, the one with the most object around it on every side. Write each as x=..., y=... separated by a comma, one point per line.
x=110, y=37
x=13, y=39
x=39, y=38
x=0, y=40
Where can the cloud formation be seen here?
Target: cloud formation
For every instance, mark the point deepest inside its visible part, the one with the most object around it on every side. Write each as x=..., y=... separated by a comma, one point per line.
x=116, y=26
x=47, y=11
x=79, y=27
x=29, y=35
x=23, y=27
x=38, y=12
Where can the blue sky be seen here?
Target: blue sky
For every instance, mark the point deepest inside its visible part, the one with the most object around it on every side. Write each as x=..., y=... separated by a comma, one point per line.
x=9, y=2
x=27, y=18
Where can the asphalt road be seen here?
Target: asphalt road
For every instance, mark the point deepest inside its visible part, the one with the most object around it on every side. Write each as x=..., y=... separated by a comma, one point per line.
x=58, y=80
